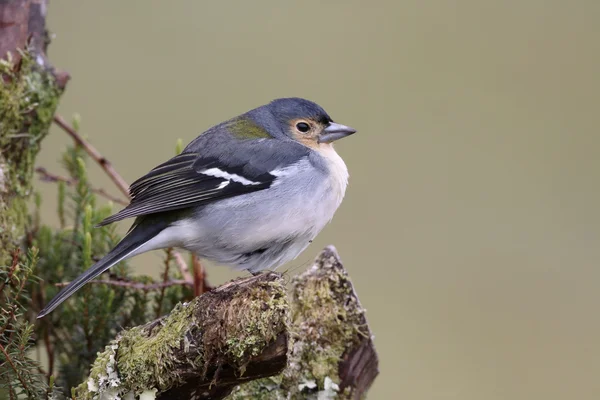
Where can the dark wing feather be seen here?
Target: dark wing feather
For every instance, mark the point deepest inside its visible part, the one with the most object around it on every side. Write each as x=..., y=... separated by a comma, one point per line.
x=179, y=183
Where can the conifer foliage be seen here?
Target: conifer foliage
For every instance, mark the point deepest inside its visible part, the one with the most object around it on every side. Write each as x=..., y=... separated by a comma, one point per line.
x=69, y=338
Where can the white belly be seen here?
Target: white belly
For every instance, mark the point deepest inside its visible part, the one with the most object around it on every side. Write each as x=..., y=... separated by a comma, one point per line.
x=283, y=218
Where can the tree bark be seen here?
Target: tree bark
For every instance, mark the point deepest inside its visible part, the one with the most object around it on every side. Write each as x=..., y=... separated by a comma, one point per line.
x=29, y=91
x=331, y=353
x=248, y=339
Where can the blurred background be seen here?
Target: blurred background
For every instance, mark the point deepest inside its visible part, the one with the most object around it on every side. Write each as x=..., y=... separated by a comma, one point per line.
x=471, y=226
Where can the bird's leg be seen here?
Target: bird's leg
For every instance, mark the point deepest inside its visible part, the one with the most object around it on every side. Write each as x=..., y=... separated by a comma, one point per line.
x=199, y=275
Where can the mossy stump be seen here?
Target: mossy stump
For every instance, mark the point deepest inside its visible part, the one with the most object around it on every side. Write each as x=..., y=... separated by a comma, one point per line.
x=248, y=340
x=29, y=92
x=202, y=349
x=331, y=352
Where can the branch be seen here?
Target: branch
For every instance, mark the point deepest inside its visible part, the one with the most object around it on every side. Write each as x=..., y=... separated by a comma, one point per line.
x=29, y=92
x=204, y=348
x=135, y=285
x=247, y=339
x=161, y=296
x=200, y=284
x=23, y=26
x=30, y=89
x=46, y=176
x=332, y=354
x=95, y=154
x=183, y=267
x=121, y=184
x=16, y=370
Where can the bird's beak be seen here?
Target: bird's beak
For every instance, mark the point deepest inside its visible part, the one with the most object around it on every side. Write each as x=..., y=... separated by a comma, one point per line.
x=334, y=132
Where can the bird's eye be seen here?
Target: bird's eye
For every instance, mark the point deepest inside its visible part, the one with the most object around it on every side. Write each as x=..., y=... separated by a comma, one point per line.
x=303, y=127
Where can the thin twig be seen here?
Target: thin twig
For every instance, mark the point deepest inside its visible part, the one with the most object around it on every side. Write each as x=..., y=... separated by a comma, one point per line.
x=12, y=317
x=46, y=176
x=117, y=179
x=41, y=295
x=183, y=268
x=3, y=350
x=86, y=319
x=13, y=267
x=159, y=303
x=12, y=307
x=49, y=351
x=95, y=154
x=135, y=285
x=200, y=285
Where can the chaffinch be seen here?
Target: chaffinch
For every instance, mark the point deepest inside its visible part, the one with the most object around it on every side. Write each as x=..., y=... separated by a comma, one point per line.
x=251, y=192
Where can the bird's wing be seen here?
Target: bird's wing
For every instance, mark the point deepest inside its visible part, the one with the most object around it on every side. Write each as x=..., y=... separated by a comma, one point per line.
x=192, y=179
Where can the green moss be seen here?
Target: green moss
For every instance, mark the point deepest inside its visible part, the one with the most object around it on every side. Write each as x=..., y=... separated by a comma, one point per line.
x=148, y=361
x=253, y=319
x=229, y=324
x=28, y=100
x=103, y=375
x=139, y=360
x=260, y=389
x=326, y=321
x=104, y=361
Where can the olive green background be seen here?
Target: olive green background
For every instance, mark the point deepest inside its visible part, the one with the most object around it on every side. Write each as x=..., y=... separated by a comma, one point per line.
x=471, y=225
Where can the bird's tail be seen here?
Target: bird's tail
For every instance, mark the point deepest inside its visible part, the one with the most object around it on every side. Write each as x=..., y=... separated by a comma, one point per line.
x=129, y=246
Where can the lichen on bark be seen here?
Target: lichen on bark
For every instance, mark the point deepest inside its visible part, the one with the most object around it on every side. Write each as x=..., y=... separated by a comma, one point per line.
x=227, y=327
x=28, y=99
x=248, y=339
x=327, y=325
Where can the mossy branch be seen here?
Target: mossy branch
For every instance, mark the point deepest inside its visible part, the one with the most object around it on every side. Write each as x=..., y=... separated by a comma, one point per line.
x=331, y=352
x=29, y=92
x=246, y=339
x=204, y=348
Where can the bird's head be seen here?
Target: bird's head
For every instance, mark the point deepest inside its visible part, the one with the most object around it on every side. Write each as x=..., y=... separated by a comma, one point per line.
x=306, y=122
x=291, y=118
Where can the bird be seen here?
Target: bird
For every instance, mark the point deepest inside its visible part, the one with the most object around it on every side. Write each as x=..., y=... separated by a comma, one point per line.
x=250, y=193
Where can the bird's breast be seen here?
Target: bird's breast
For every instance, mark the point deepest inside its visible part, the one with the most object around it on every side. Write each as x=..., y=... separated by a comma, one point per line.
x=338, y=173
x=301, y=201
